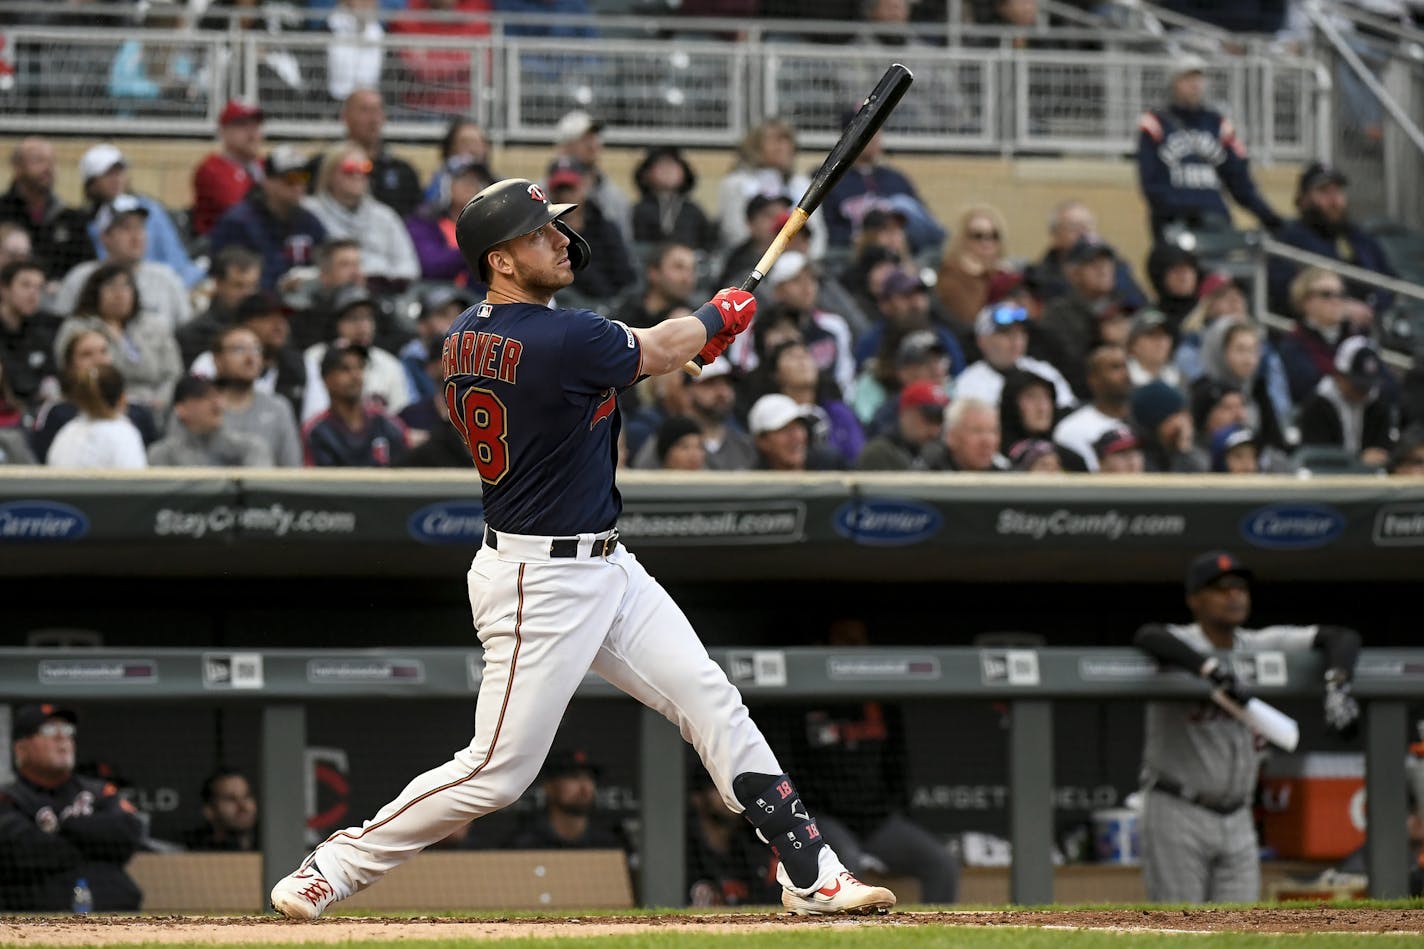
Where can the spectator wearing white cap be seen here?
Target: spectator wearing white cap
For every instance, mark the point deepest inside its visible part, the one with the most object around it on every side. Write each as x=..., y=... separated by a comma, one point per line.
x=1001, y=331
x=794, y=284
x=1347, y=410
x=783, y=432
x=579, y=136
x=225, y=176
x=105, y=174
x=123, y=235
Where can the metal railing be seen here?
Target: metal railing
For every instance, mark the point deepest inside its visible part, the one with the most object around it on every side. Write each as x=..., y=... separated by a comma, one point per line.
x=665, y=80
x=1385, y=681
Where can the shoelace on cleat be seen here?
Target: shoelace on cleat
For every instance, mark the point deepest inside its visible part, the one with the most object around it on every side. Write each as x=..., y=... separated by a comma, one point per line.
x=316, y=891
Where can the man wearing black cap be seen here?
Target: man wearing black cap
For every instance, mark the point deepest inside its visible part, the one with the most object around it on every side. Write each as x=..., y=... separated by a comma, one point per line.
x=570, y=784
x=197, y=436
x=349, y=434
x=1324, y=227
x=270, y=221
x=57, y=829
x=1346, y=410
x=1198, y=763
x=1070, y=323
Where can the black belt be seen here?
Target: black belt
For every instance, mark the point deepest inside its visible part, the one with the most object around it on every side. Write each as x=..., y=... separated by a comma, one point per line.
x=1224, y=808
x=565, y=547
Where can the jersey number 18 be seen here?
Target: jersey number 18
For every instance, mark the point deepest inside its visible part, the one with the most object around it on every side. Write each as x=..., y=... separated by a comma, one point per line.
x=480, y=418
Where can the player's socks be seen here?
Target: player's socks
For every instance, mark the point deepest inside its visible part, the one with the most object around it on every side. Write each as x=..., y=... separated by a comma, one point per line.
x=775, y=809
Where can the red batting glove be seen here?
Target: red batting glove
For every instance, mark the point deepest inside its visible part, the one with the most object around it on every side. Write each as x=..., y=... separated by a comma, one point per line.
x=736, y=307
x=714, y=348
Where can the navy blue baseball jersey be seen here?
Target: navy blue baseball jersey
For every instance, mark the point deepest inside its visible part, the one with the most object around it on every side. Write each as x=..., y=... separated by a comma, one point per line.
x=534, y=393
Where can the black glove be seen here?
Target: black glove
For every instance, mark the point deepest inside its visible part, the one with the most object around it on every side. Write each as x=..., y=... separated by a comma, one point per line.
x=1342, y=712
x=1221, y=677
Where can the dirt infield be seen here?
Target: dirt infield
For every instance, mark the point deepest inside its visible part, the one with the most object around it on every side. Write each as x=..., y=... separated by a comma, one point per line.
x=128, y=930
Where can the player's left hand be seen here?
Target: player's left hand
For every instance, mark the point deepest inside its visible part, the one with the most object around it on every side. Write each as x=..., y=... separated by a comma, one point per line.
x=1342, y=712
x=715, y=347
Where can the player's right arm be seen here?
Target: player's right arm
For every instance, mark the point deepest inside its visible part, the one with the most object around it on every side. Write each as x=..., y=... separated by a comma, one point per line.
x=670, y=344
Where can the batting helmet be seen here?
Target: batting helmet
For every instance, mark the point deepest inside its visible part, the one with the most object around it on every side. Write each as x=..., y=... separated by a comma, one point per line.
x=504, y=211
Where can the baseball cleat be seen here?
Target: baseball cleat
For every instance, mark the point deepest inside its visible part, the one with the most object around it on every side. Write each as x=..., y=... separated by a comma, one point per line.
x=844, y=894
x=303, y=893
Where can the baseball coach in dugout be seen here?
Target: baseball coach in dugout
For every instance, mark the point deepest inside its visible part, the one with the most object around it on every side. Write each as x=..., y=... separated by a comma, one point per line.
x=534, y=392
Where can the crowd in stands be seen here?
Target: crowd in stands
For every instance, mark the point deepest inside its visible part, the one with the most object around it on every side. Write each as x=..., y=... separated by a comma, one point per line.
x=296, y=315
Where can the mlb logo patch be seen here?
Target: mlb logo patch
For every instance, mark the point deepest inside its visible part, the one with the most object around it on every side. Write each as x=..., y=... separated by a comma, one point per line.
x=483, y=312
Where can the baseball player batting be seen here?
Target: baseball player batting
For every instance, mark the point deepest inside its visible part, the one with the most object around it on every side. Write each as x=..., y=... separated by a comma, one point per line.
x=534, y=391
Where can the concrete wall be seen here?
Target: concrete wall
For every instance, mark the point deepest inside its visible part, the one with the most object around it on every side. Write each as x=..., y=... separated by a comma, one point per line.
x=1025, y=190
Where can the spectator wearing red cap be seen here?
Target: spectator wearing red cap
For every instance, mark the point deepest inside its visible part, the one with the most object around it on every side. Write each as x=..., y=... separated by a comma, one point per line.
x=611, y=269
x=1347, y=410
x=1219, y=295
x=57, y=827
x=919, y=356
x=224, y=177
x=1119, y=452
x=915, y=443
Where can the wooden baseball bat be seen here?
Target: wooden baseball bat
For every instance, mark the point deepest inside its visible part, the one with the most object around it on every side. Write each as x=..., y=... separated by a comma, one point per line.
x=1265, y=720
x=867, y=121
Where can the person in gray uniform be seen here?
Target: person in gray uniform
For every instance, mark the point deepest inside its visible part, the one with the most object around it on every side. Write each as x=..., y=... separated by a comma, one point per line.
x=1199, y=764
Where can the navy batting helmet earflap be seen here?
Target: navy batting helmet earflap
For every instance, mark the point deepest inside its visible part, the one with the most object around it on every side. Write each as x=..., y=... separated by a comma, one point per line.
x=504, y=211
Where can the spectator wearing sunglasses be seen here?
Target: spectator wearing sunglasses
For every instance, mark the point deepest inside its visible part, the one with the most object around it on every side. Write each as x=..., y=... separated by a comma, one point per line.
x=1001, y=331
x=345, y=208
x=270, y=221
x=57, y=828
x=1308, y=352
x=975, y=255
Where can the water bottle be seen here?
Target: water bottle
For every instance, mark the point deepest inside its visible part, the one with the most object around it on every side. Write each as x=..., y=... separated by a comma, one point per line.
x=83, y=896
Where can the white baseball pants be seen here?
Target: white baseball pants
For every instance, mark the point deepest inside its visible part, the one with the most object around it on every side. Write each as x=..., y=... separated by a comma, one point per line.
x=544, y=623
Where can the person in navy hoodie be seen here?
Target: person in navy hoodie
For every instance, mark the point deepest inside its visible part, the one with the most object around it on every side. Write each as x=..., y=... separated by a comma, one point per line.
x=1187, y=152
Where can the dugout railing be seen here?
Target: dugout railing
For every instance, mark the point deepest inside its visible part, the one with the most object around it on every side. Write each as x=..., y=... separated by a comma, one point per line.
x=283, y=683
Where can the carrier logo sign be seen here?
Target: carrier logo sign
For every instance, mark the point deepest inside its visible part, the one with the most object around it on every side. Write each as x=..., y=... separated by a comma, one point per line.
x=448, y=522
x=1292, y=526
x=887, y=522
x=1400, y=525
x=41, y=522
